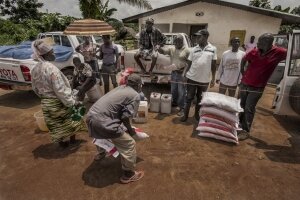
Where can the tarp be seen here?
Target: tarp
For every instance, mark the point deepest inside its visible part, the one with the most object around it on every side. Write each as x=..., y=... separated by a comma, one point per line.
x=23, y=51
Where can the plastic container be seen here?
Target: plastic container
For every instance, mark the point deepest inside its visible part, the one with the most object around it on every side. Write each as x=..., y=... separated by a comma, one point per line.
x=142, y=115
x=166, y=103
x=39, y=117
x=94, y=93
x=155, y=102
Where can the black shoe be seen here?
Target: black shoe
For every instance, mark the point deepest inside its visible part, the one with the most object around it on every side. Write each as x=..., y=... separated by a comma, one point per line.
x=184, y=118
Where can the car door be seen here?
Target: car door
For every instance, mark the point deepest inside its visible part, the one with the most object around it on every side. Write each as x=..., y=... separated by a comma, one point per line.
x=291, y=74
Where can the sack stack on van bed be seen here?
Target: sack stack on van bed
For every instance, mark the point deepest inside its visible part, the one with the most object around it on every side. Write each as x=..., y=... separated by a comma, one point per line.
x=219, y=117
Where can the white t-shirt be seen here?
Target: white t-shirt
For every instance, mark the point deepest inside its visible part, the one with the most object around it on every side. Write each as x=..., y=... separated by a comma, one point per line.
x=229, y=69
x=250, y=46
x=200, y=70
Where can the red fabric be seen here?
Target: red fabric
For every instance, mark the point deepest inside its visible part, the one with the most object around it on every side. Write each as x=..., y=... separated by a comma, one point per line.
x=123, y=80
x=223, y=128
x=220, y=135
x=218, y=118
x=124, y=75
x=260, y=68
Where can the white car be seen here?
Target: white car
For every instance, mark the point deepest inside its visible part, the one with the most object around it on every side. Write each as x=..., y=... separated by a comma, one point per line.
x=15, y=73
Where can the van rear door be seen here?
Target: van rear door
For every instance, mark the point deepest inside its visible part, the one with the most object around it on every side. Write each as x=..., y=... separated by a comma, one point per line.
x=291, y=74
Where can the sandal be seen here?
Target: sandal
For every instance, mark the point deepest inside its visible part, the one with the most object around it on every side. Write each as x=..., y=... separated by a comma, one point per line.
x=243, y=135
x=137, y=176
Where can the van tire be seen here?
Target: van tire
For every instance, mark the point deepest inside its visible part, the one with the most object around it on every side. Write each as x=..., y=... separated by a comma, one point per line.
x=294, y=97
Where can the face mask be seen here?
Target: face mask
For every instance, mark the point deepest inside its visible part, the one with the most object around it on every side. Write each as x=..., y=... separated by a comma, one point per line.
x=50, y=57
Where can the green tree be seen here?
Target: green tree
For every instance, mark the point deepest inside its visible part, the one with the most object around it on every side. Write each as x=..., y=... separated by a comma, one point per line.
x=296, y=11
x=91, y=8
x=279, y=8
x=105, y=13
x=260, y=3
x=20, y=10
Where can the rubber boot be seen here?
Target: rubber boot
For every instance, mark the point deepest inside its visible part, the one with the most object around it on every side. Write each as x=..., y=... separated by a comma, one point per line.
x=186, y=114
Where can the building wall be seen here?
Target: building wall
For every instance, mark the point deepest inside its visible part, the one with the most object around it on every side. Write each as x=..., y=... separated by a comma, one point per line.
x=220, y=19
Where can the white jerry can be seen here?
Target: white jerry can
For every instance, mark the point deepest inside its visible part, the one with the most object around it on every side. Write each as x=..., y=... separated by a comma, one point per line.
x=142, y=114
x=166, y=103
x=155, y=102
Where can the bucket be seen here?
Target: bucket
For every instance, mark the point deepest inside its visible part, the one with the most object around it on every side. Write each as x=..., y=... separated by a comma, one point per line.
x=94, y=93
x=39, y=117
x=166, y=103
x=155, y=102
x=142, y=114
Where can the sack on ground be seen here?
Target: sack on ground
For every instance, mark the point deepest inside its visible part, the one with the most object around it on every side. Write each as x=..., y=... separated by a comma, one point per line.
x=217, y=130
x=230, y=117
x=222, y=101
x=218, y=120
x=211, y=135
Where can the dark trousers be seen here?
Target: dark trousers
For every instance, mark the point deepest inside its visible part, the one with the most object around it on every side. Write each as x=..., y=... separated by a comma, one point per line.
x=109, y=71
x=231, y=89
x=194, y=88
x=249, y=98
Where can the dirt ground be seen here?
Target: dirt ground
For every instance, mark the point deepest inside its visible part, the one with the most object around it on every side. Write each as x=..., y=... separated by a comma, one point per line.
x=177, y=164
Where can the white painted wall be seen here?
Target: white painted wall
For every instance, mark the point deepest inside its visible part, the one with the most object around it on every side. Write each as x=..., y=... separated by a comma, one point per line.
x=221, y=20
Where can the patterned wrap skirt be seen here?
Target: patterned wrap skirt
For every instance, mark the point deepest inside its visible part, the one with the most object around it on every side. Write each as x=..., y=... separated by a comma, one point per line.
x=59, y=120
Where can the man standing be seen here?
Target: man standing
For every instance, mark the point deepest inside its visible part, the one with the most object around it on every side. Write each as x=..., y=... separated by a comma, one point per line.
x=228, y=75
x=151, y=39
x=201, y=67
x=109, y=118
x=88, y=51
x=262, y=62
x=179, y=59
x=251, y=45
x=109, y=55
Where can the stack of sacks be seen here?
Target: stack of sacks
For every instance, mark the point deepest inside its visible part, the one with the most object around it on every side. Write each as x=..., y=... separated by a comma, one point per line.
x=219, y=117
x=110, y=148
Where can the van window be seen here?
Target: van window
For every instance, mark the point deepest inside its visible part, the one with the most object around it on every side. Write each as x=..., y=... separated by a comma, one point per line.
x=56, y=39
x=65, y=41
x=170, y=40
x=98, y=39
x=295, y=63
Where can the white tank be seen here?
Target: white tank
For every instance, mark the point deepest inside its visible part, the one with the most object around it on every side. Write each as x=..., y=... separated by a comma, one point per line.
x=155, y=102
x=166, y=103
x=94, y=93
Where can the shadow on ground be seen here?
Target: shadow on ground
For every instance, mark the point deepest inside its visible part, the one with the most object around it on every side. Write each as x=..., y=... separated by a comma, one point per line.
x=53, y=151
x=19, y=99
x=103, y=173
x=284, y=154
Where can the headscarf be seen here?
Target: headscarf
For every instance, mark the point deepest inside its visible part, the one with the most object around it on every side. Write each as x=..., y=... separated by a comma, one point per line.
x=40, y=48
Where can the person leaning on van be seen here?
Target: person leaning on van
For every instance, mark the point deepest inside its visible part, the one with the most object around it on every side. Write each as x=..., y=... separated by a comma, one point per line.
x=262, y=62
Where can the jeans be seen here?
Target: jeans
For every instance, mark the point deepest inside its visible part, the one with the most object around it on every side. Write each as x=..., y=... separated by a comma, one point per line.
x=194, y=88
x=109, y=71
x=231, y=89
x=178, y=89
x=249, y=98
